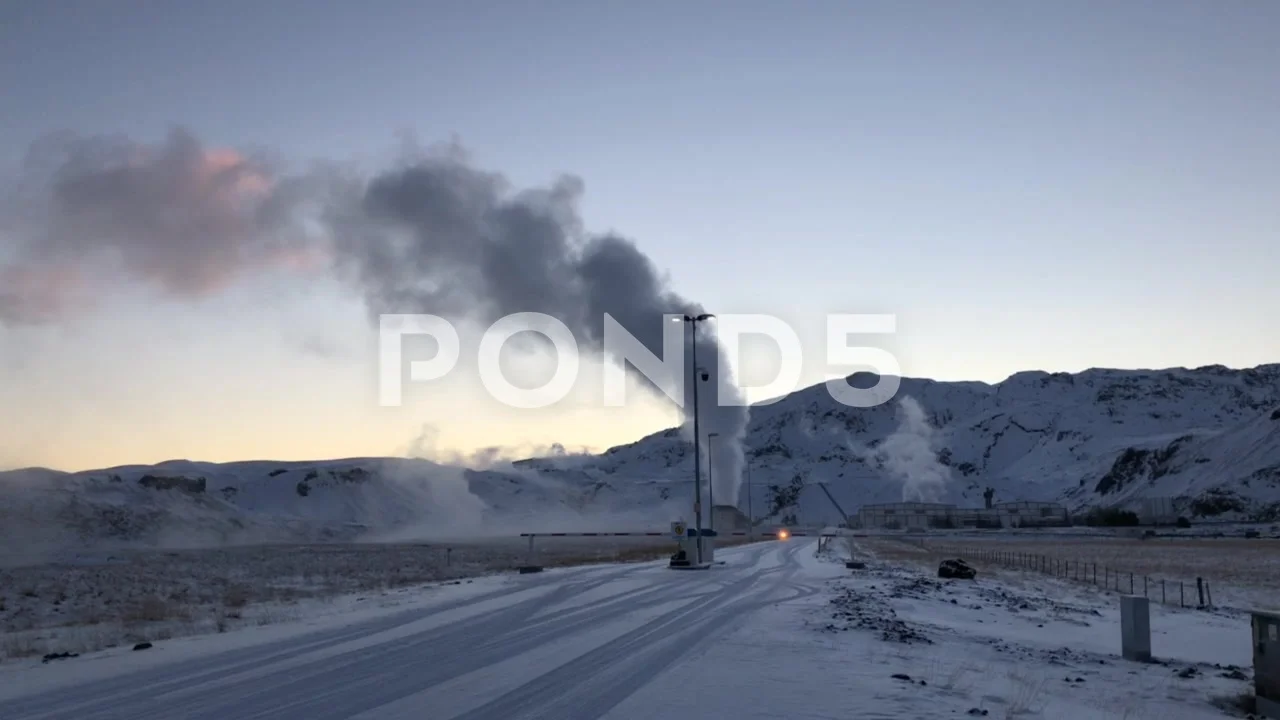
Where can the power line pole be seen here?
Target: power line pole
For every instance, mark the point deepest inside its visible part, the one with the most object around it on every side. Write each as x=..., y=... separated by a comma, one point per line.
x=697, y=437
x=711, y=481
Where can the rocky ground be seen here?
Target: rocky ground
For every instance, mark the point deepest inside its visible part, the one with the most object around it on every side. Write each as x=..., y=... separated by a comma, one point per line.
x=1015, y=648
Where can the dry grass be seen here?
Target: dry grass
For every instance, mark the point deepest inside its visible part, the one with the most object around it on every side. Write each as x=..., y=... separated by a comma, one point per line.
x=1157, y=557
x=1027, y=689
x=899, y=552
x=19, y=646
x=237, y=596
x=1238, y=572
x=129, y=596
x=150, y=609
x=1240, y=704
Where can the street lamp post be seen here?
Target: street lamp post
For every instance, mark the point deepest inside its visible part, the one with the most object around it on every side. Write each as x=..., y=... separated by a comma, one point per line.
x=693, y=321
x=711, y=481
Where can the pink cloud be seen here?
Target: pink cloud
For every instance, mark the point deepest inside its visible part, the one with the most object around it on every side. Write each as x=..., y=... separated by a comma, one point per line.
x=35, y=295
x=186, y=219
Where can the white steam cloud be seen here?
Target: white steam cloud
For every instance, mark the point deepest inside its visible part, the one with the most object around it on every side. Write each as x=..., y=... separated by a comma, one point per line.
x=426, y=446
x=911, y=455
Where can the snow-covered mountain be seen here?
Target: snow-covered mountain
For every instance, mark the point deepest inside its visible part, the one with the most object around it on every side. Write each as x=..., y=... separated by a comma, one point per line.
x=183, y=503
x=1208, y=437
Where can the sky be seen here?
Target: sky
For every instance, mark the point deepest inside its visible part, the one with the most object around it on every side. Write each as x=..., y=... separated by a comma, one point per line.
x=1052, y=186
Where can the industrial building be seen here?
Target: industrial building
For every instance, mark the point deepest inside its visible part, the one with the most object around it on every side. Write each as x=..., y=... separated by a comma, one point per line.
x=729, y=519
x=1032, y=514
x=904, y=515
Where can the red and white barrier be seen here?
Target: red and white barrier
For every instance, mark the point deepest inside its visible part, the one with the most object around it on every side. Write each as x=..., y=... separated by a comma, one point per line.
x=744, y=533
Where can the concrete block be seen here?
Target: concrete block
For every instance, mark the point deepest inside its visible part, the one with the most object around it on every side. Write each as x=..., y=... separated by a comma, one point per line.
x=1266, y=663
x=1135, y=628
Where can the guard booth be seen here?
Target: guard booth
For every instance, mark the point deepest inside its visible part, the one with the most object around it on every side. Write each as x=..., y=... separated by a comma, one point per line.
x=1266, y=663
x=689, y=541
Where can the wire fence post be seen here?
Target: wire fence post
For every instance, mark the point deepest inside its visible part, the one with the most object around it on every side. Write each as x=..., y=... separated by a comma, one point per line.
x=1163, y=599
x=1200, y=590
x=1182, y=595
x=1130, y=583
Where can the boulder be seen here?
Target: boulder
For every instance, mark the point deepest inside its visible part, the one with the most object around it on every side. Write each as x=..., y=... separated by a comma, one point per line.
x=956, y=570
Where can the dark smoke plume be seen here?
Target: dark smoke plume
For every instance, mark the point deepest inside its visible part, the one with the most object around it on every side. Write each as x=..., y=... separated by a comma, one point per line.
x=431, y=235
x=437, y=235
x=185, y=219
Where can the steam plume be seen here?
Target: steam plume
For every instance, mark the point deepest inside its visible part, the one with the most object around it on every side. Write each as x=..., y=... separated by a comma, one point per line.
x=426, y=446
x=910, y=454
x=437, y=235
x=433, y=234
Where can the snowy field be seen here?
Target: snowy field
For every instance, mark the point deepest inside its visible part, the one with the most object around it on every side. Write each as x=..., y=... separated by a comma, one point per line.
x=1241, y=573
x=778, y=630
x=84, y=602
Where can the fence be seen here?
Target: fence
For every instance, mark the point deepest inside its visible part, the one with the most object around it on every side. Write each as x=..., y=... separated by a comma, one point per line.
x=1166, y=592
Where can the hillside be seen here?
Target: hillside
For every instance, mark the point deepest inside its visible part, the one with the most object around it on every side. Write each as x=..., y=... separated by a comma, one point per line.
x=1036, y=436
x=1209, y=437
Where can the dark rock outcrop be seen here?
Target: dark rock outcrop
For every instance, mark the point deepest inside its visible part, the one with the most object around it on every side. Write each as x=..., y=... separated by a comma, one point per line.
x=162, y=482
x=956, y=570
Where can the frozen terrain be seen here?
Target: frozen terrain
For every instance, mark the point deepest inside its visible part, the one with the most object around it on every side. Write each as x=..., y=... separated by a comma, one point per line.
x=94, y=600
x=777, y=630
x=1237, y=572
x=1208, y=438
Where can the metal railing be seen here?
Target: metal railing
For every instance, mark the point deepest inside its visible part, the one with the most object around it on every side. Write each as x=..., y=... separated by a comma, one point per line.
x=531, y=564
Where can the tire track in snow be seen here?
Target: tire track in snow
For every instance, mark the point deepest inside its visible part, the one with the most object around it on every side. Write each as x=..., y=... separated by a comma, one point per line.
x=408, y=673
x=592, y=684
x=147, y=685
x=277, y=680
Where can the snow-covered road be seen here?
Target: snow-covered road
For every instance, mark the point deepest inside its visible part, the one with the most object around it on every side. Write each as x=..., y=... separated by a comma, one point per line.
x=777, y=630
x=562, y=645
